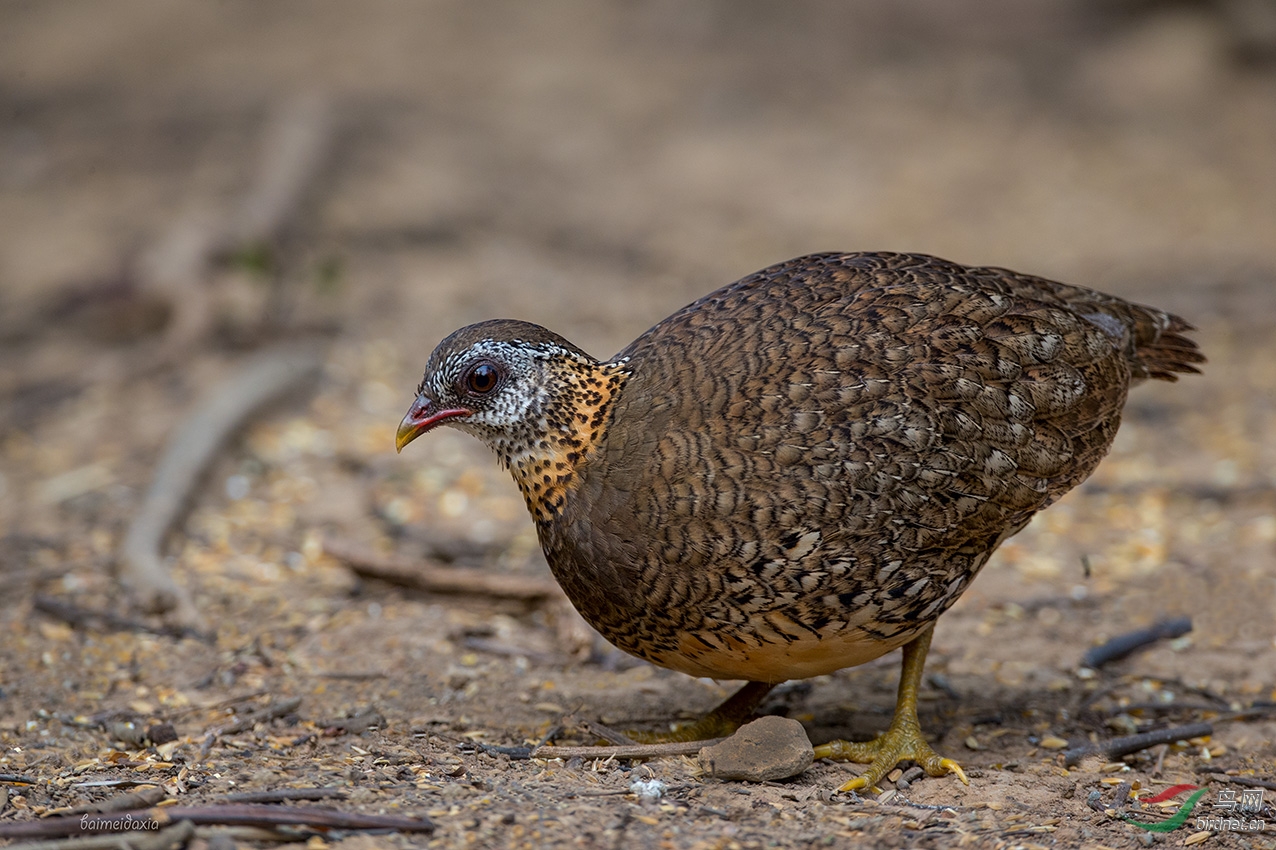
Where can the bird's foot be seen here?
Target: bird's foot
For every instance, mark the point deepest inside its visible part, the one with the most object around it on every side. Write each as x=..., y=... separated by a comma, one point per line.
x=719, y=723
x=900, y=742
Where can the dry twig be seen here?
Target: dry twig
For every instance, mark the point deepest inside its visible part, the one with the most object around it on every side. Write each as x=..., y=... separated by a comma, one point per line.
x=177, y=835
x=468, y=581
x=1247, y=781
x=315, y=817
x=356, y=724
x=286, y=795
x=19, y=779
x=592, y=727
x=191, y=448
x=139, y=799
x=87, y=618
x=1122, y=645
x=295, y=143
x=270, y=712
x=633, y=751
x=1114, y=748
x=248, y=721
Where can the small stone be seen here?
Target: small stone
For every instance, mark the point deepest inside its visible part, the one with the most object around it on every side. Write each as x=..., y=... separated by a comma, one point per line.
x=769, y=748
x=648, y=790
x=1051, y=742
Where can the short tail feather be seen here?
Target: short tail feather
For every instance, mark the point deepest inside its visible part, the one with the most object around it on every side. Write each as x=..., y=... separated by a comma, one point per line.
x=1162, y=349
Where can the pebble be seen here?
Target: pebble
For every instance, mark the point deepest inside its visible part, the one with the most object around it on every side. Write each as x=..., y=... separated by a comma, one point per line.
x=648, y=790
x=767, y=749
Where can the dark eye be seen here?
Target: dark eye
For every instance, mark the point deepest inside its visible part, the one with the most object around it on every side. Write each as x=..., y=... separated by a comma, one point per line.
x=482, y=379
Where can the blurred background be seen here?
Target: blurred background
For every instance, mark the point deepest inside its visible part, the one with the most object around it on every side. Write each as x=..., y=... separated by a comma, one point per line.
x=185, y=184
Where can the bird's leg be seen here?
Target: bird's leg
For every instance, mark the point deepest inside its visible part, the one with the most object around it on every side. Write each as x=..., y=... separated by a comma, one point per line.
x=903, y=740
x=722, y=721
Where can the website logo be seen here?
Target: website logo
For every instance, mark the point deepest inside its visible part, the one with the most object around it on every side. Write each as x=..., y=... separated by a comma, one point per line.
x=1229, y=813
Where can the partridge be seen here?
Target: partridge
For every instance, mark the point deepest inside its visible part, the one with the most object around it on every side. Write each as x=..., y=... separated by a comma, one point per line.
x=803, y=470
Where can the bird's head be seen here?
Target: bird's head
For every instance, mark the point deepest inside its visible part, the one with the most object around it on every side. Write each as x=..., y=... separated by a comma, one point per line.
x=534, y=398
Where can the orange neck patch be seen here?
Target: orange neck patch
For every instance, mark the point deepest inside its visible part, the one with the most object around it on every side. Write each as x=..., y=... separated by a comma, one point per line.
x=570, y=425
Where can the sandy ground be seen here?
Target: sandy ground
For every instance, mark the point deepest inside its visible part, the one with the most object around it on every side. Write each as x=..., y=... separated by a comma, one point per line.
x=593, y=167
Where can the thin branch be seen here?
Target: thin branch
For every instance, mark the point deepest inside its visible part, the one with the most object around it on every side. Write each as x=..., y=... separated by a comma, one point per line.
x=285, y=795
x=1247, y=781
x=190, y=450
x=139, y=799
x=270, y=712
x=87, y=618
x=248, y=721
x=634, y=751
x=408, y=572
x=19, y=779
x=1122, y=645
x=316, y=817
x=177, y=835
x=613, y=737
x=296, y=141
x=1114, y=748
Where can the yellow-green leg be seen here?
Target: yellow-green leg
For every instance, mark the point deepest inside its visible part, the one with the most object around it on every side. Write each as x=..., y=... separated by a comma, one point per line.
x=903, y=740
x=733, y=713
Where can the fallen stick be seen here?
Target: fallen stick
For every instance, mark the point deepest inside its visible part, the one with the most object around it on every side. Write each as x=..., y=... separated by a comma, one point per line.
x=294, y=149
x=1114, y=748
x=356, y=724
x=88, y=618
x=248, y=721
x=177, y=835
x=1122, y=645
x=192, y=446
x=139, y=799
x=218, y=838
x=496, y=647
x=296, y=141
x=270, y=712
x=632, y=751
x=146, y=820
x=19, y=779
x=1247, y=781
x=468, y=581
x=286, y=795
x=613, y=737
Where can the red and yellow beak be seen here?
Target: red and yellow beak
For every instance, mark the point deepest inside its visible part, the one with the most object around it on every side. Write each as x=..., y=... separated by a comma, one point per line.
x=422, y=416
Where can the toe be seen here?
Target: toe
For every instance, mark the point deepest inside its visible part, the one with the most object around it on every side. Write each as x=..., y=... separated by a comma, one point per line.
x=944, y=766
x=883, y=753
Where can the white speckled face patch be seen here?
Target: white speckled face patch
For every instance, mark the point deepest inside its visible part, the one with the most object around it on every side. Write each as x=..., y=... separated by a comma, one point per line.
x=517, y=391
x=521, y=392
x=539, y=403
x=519, y=407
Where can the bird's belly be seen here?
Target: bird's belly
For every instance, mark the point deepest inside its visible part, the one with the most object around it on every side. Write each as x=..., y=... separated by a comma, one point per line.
x=722, y=656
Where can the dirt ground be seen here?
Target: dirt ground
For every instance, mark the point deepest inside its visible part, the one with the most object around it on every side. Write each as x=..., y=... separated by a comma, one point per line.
x=593, y=167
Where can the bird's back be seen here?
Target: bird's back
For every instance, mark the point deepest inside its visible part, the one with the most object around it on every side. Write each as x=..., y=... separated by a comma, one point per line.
x=824, y=453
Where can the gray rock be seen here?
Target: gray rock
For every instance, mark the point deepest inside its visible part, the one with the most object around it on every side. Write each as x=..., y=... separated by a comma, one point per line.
x=769, y=748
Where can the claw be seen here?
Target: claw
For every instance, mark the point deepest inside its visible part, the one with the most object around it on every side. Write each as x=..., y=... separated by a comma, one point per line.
x=903, y=740
x=884, y=752
x=950, y=766
x=859, y=783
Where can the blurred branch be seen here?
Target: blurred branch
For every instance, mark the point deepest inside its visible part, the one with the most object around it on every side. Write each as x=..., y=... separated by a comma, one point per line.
x=408, y=572
x=295, y=146
x=192, y=446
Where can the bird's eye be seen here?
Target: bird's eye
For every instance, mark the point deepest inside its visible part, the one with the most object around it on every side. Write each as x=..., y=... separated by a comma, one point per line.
x=482, y=379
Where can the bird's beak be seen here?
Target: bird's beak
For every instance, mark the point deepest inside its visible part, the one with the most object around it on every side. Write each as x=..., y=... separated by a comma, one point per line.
x=422, y=416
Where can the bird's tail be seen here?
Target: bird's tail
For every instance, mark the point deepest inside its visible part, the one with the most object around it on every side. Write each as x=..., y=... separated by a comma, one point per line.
x=1162, y=348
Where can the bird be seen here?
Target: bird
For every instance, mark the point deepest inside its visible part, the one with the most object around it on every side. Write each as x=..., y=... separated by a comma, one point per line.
x=801, y=471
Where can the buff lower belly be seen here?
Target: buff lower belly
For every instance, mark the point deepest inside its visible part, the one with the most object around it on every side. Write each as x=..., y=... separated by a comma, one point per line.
x=721, y=656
